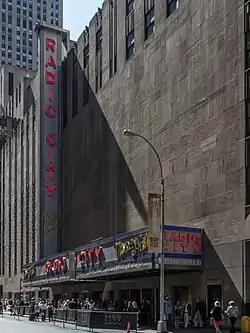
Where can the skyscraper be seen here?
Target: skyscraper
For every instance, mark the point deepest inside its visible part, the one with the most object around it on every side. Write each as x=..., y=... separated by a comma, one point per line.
x=18, y=38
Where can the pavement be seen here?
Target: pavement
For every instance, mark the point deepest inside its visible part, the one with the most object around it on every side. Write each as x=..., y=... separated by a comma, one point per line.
x=9, y=324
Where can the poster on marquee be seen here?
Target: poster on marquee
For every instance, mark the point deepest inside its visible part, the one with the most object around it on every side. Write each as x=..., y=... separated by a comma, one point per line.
x=154, y=222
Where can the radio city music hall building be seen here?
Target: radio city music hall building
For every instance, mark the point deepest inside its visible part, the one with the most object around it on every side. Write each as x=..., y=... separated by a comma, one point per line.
x=179, y=81
x=31, y=160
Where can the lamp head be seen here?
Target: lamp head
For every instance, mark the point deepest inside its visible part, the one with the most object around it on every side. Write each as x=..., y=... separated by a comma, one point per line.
x=127, y=132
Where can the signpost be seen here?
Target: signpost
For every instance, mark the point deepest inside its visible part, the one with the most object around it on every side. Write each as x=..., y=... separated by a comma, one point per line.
x=154, y=222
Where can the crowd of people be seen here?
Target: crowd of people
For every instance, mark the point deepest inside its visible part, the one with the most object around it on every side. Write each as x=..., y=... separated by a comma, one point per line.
x=183, y=314
x=101, y=304
x=44, y=309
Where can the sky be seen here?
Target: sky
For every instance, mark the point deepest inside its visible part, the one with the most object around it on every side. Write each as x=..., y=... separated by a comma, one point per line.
x=77, y=14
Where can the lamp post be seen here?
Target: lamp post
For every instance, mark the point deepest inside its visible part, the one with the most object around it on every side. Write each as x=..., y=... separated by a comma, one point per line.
x=161, y=326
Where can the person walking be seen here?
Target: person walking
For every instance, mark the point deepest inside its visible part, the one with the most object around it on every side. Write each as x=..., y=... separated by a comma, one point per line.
x=233, y=313
x=177, y=314
x=50, y=311
x=217, y=314
x=187, y=314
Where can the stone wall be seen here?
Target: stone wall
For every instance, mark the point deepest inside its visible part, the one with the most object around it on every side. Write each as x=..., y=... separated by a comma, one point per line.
x=184, y=90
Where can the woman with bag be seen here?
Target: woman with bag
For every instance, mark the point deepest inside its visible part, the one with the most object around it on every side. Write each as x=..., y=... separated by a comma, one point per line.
x=217, y=316
x=233, y=314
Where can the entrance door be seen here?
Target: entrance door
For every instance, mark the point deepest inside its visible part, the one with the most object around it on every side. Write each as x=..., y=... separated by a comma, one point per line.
x=135, y=296
x=214, y=293
x=180, y=294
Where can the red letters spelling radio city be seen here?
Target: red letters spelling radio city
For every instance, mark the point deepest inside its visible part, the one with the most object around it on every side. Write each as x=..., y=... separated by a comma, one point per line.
x=50, y=111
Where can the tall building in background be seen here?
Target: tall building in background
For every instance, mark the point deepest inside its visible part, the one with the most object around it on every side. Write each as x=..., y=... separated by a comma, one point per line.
x=18, y=38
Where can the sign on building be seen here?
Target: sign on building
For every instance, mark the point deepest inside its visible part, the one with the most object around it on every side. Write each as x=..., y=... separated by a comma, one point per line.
x=154, y=222
x=51, y=44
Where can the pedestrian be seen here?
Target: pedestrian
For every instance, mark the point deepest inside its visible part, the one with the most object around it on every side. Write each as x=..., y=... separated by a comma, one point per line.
x=43, y=309
x=217, y=316
x=50, y=311
x=37, y=312
x=233, y=314
x=177, y=314
x=187, y=314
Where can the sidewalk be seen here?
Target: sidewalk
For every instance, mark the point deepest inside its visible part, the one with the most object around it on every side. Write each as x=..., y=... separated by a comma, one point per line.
x=66, y=326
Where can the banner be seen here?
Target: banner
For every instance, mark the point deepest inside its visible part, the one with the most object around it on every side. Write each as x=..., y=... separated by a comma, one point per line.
x=154, y=222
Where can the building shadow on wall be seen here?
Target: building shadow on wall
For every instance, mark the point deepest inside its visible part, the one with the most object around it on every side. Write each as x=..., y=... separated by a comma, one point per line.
x=95, y=176
x=222, y=274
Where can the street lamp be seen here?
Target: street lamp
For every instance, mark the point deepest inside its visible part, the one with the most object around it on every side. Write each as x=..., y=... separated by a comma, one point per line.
x=161, y=326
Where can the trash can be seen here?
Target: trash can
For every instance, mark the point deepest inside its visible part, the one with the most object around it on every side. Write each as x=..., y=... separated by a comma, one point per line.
x=245, y=324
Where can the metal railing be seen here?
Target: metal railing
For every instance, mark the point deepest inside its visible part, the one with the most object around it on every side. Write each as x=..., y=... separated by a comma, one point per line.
x=97, y=319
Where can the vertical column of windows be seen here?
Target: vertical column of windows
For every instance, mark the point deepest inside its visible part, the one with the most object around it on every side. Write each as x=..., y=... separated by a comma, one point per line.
x=9, y=211
x=149, y=17
x=22, y=203
x=129, y=29
x=33, y=205
x=98, y=59
x=15, y=206
x=27, y=197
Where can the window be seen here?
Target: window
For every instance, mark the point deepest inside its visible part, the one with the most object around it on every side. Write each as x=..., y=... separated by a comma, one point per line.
x=172, y=5
x=75, y=85
x=129, y=6
x=24, y=23
x=11, y=84
x=130, y=45
x=30, y=25
x=19, y=92
x=22, y=218
x=149, y=21
x=33, y=205
x=16, y=97
x=86, y=56
x=18, y=21
x=99, y=40
x=64, y=93
x=248, y=172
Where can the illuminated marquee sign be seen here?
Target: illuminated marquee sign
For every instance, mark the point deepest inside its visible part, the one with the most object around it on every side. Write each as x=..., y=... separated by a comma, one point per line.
x=89, y=257
x=182, y=241
x=50, y=111
x=132, y=247
x=56, y=266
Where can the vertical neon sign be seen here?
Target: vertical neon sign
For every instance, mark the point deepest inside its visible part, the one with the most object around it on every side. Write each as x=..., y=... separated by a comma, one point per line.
x=50, y=56
x=50, y=111
x=53, y=46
